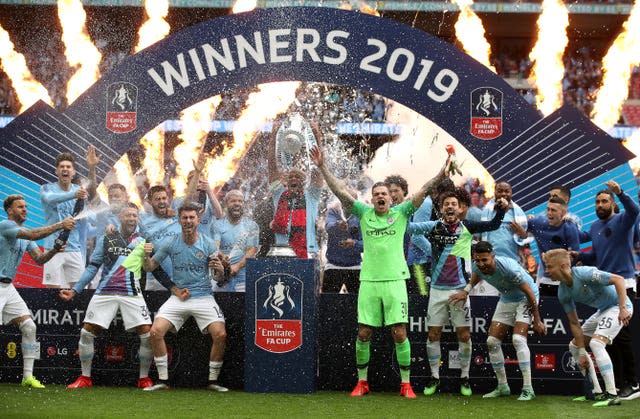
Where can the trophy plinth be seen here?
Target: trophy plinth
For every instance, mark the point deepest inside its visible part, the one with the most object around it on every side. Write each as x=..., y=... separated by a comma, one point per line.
x=281, y=248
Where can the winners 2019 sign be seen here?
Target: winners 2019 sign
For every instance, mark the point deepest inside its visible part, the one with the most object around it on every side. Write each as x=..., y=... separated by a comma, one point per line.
x=428, y=75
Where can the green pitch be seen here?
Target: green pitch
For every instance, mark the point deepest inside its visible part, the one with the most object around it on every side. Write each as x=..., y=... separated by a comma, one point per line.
x=120, y=402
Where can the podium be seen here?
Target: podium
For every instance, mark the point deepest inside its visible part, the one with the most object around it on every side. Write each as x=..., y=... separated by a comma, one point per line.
x=280, y=325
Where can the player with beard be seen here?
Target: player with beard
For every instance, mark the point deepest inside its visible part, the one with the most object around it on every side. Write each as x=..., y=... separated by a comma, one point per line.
x=193, y=255
x=612, y=237
x=382, y=298
x=516, y=309
x=200, y=193
x=118, y=289
x=157, y=226
x=14, y=241
x=237, y=237
x=450, y=240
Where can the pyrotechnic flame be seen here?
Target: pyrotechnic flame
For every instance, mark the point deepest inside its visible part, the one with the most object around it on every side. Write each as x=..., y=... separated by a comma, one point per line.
x=244, y=6
x=617, y=65
x=81, y=53
x=470, y=32
x=633, y=144
x=153, y=162
x=365, y=8
x=196, y=123
x=103, y=192
x=28, y=89
x=548, y=68
x=123, y=172
x=151, y=31
x=155, y=27
x=270, y=100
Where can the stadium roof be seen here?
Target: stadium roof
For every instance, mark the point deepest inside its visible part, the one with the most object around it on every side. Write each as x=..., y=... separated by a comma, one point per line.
x=408, y=6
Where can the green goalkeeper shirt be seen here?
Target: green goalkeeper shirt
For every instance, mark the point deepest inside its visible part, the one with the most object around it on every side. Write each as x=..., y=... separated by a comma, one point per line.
x=383, y=237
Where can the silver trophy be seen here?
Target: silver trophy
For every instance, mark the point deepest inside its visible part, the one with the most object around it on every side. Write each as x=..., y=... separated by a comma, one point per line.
x=281, y=249
x=294, y=140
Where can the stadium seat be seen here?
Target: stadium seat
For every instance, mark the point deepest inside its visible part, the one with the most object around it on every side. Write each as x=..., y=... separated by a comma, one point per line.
x=631, y=112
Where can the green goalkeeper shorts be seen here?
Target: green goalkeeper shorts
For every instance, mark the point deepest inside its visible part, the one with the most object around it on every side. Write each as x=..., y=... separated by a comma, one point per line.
x=383, y=303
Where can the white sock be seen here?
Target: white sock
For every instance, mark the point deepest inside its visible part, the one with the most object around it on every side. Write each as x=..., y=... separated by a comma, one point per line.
x=604, y=365
x=29, y=346
x=214, y=370
x=524, y=357
x=464, y=350
x=86, y=351
x=497, y=358
x=592, y=371
x=433, y=353
x=162, y=365
x=145, y=354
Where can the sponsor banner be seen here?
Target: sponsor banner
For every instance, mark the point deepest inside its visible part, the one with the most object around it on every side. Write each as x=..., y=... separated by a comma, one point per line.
x=114, y=353
x=545, y=361
x=553, y=368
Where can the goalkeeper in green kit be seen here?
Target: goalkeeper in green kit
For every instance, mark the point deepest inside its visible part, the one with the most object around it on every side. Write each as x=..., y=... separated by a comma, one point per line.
x=382, y=299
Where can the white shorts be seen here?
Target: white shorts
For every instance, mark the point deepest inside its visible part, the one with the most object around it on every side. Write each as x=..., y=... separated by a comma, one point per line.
x=204, y=310
x=604, y=323
x=63, y=269
x=11, y=304
x=442, y=313
x=512, y=313
x=102, y=310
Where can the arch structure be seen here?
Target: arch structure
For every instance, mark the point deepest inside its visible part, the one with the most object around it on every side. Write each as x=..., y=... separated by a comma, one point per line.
x=428, y=75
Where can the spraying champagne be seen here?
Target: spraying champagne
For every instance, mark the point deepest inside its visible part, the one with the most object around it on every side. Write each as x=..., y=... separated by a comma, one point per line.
x=62, y=238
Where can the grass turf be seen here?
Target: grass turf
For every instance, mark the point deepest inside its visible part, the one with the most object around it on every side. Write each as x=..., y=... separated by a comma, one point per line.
x=56, y=401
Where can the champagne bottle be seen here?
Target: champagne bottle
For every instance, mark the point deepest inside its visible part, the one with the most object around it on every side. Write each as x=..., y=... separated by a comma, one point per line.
x=202, y=199
x=62, y=238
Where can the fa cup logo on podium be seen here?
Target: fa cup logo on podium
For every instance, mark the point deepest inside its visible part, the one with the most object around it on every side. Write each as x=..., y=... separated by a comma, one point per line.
x=276, y=298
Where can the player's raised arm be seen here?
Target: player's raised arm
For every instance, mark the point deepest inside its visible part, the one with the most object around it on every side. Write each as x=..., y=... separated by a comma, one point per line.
x=92, y=163
x=334, y=184
x=41, y=232
x=426, y=189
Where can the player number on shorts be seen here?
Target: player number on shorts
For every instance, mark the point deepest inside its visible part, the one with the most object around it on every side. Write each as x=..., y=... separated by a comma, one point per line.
x=605, y=322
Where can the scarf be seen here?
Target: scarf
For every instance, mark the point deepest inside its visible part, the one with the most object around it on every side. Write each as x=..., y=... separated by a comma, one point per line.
x=291, y=219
